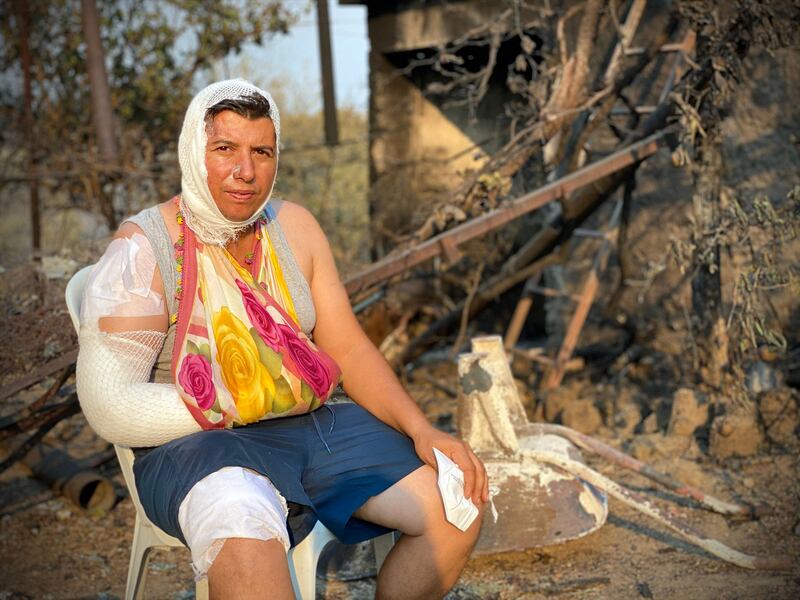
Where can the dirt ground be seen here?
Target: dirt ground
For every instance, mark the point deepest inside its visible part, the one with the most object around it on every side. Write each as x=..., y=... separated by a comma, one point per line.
x=49, y=548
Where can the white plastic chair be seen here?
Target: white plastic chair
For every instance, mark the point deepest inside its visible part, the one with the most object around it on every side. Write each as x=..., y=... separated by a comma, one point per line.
x=303, y=558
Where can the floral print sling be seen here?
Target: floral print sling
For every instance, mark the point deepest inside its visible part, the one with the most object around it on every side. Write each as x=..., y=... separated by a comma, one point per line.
x=240, y=355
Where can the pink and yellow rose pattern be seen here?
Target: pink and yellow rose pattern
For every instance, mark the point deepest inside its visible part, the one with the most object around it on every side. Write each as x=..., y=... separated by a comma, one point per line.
x=240, y=356
x=195, y=377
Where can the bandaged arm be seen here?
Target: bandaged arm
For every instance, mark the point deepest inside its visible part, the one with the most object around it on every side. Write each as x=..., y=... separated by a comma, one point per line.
x=123, y=328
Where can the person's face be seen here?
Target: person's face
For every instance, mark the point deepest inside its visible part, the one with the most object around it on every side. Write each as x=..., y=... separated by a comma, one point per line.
x=241, y=162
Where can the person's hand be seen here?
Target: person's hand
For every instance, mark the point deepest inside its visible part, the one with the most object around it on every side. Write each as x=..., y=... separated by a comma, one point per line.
x=476, y=483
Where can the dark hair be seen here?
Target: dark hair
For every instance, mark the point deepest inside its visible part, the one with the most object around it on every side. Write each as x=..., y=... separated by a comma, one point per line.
x=253, y=106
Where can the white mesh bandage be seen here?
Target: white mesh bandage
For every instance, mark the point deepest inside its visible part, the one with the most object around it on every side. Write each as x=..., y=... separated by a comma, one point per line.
x=199, y=209
x=119, y=343
x=121, y=406
x=230, y=503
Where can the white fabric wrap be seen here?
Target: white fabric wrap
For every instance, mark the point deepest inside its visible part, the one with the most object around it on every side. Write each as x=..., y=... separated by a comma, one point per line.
x=230, y=503
x=113, y=369
x=198, y=206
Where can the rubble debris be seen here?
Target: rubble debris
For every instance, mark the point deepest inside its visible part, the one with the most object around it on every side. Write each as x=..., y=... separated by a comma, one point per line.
x=582, y=415
x=626, y=418
x=779, y=414
x=484, y=412
x=650, y=424
x=538, y=505
x=736, y=434
x=58, y=267
x=650, y=447
x=554, y=401
x=689, y=412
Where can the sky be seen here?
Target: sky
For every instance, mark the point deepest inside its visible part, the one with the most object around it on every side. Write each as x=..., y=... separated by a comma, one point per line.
x=293, y=59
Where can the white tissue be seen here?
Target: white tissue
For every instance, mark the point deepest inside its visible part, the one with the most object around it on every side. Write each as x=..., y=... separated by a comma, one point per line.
x=460, y=511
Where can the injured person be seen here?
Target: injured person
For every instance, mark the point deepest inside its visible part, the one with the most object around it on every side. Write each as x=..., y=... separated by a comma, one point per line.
x=214, y=330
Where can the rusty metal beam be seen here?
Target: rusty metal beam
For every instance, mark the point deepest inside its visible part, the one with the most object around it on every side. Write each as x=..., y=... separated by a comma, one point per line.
x=665, y=49
x=521, y=312
x=393, y=265
x=590, y=286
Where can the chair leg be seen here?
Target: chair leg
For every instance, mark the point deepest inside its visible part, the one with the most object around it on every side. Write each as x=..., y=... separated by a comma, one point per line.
x=201, y=589
x=301, y=564
x=303, y=560
x=137, y=568
x=382, y=545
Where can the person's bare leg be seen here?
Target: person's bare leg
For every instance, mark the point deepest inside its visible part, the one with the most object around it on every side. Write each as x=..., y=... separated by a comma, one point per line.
x=249, y=569
x=431, y=548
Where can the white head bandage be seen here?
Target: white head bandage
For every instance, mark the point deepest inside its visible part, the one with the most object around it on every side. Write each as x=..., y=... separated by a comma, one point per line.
x=199, y=209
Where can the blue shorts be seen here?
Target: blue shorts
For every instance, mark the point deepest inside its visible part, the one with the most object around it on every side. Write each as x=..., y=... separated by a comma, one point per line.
x=326, y=464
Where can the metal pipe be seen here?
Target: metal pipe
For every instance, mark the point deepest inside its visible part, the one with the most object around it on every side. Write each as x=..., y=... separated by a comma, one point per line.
x=67, y=476
x=643, y=504
x=589, y=444
x=560, y=188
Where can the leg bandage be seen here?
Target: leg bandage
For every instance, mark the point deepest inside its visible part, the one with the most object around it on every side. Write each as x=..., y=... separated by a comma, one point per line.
x=230, y=503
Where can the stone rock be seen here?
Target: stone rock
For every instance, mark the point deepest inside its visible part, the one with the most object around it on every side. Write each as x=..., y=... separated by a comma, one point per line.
x=653, y=447
x=650, y=423
x=735, y=435
x=582, y=415
x=557, y=400
x=57, y=267
x=645, y=448
x=627, y=418
x=70, y=227
x=526, y=397
x=779, y=414
x=688, y=413
x=685, y=470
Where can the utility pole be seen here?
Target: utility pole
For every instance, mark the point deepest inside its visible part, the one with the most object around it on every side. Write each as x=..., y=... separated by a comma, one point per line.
x=326, y=63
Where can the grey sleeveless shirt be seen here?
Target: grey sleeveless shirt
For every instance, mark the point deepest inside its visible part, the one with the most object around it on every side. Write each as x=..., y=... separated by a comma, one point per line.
x=152, y=224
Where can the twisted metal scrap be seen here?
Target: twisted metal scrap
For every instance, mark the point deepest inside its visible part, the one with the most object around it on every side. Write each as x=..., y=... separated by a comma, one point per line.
x=643, y=504
x=624, y=460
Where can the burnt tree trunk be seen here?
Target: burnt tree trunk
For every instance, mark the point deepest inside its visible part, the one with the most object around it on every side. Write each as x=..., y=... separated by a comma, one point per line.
x=708, y=322
x=22, y=14
x=102, y=111
x=725, y=36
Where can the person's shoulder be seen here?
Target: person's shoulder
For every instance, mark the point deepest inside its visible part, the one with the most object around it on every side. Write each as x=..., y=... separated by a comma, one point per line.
x=127, y=230
x=129, y=227
x=293, y=216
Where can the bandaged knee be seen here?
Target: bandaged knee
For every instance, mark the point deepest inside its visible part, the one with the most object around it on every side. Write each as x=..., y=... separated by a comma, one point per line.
x=230, y=503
